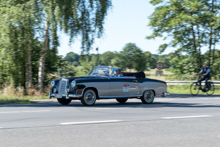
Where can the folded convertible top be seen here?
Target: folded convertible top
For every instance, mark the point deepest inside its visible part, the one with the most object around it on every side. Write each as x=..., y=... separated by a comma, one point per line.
x=138, y=75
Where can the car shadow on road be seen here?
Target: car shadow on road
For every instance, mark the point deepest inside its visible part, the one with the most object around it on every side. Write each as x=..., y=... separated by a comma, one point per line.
x=162, y=102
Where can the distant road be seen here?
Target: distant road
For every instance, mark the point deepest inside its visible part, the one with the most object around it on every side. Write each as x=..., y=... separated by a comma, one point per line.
x=178, y=120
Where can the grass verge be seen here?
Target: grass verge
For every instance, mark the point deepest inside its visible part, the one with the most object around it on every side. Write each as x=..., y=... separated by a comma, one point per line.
x=185, y=89
x=19, y=100
x=15, y=101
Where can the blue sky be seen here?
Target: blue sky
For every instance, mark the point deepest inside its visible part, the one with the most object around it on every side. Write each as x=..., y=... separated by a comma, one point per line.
x=126, y=22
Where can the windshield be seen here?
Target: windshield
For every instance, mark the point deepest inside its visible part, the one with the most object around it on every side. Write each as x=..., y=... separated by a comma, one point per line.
x=101, y=71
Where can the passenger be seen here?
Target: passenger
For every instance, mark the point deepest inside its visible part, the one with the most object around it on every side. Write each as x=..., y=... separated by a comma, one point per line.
x=120, y=73
x=116, y=73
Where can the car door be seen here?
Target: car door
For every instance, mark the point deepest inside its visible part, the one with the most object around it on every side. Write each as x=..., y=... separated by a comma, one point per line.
x=100, y=83
x=123, y=86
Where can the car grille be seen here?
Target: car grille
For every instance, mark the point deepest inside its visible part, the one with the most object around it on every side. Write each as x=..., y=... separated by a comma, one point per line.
x=62, y=87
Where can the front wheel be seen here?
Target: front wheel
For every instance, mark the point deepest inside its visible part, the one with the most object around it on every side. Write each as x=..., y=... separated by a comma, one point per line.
x=64, y=101
x=210, y=88
x=148, y=97
x=89, y=97
x=121, y=100
x=194, y=89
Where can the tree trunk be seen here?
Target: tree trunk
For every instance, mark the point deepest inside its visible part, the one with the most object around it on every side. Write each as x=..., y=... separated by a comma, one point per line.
x=43, y=57
x=194, y=37
x=210, y=47
x=210, y=40
x=28, y=72
x=199, y=46
x=194, y=45
x=213, y=52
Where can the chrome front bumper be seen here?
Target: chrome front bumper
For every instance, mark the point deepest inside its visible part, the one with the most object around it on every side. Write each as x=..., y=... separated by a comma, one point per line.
x=53, y=95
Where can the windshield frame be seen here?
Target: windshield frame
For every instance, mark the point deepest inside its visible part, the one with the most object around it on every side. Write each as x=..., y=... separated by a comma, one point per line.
x=98, y=68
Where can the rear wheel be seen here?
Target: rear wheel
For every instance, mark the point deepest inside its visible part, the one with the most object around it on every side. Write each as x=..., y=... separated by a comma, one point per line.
x=210, y=88
x=148, y=97
x=89, y=97
x=122, y=100
x=194, y=89
x=64, y=101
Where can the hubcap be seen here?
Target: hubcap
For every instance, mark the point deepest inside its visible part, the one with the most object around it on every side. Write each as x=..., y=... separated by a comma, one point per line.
x=148, y=96
x=90, y=97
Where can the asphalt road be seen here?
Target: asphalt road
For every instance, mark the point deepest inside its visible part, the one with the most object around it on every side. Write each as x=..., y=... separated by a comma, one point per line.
x=174, y=121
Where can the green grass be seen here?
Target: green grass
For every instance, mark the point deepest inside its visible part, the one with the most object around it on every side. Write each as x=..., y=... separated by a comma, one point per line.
x=185, y=89
x=15, y=101
x=19, y=100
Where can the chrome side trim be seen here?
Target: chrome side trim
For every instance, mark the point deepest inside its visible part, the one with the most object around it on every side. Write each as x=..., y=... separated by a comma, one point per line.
x=124, y=96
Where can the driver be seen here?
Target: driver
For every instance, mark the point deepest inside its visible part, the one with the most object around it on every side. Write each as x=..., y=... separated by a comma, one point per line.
x=106, y=72
x=206, y=75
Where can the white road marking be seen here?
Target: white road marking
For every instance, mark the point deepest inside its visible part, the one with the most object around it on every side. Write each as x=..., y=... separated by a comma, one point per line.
x=183, y=117
x=90, y=122
x=161, y=99
x=210, y=98
x=108, y=108
x=215, y=98
x=24, y=111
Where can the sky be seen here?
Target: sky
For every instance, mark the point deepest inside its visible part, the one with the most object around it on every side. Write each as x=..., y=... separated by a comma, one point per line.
x=125, y=23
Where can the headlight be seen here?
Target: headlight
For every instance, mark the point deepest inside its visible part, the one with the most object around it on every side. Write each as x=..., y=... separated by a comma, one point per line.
x=52, y=84
x=73, y=84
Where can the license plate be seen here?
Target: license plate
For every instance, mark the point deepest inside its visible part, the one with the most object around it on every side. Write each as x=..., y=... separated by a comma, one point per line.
x=58, y=96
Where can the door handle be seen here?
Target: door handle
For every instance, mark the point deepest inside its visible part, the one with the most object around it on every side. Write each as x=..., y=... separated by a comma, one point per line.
x=134, y=80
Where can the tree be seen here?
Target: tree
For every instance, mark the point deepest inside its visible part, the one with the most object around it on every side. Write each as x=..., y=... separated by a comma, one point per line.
x=87, y=61
x=75, y=17
x=131, y=57
x=216, y=66
x=71, y=57
x=106, y=58
x=19, y=21
x=190, y=25
x=27, y=26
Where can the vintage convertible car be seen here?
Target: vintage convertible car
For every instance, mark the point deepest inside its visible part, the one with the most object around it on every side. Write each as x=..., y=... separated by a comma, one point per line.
x=105, y=82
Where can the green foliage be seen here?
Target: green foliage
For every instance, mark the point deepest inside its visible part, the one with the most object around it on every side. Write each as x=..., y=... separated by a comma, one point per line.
x=192, y=26
x=131, y=57
x=22, y=30
x=71, y=57
x=106, y=58
x=87, y=61
x=18, y=24
x=215, y=73
x=82, y=18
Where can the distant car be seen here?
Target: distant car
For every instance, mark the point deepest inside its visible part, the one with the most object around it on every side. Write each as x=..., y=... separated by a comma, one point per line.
x=105, y=82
